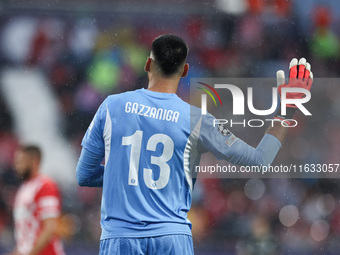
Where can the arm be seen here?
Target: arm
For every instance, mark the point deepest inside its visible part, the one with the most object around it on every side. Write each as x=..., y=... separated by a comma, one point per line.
x=47, y=233
x=224, y=145
x=300, y=76
x=243, y=154
x=278, y=131
x=89, y=172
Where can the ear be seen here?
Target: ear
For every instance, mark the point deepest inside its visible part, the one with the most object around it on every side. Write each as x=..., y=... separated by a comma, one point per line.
x=185, y=70
x=147, y=64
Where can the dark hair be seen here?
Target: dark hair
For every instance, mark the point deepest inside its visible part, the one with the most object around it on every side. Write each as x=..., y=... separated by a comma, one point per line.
x=32, y=150
x=170, y=52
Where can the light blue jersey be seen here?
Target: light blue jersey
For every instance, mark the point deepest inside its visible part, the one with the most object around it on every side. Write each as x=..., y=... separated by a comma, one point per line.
x=150, y=144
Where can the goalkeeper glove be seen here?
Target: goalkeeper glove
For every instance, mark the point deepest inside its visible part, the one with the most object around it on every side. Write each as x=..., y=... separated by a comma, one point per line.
x=300, y=76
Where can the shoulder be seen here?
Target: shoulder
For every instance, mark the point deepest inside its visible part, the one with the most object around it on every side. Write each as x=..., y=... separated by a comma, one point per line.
x=46, y=180
x=195, y=111
x=47, y=186
x=195, y=115
x=114, y=99
x=123, y=95
x=111, y=102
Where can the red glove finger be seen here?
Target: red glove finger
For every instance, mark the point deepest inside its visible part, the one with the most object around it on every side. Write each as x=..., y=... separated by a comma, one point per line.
x=307, y=71
x=310, y=80
x=302, y=68
x=293, y=68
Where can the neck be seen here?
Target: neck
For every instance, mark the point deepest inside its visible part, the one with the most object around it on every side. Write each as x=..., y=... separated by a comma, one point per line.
x=33, y=175
x=163, y=85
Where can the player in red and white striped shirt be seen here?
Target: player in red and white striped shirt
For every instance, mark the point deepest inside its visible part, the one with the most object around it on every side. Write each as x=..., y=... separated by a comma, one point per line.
x=36, y=208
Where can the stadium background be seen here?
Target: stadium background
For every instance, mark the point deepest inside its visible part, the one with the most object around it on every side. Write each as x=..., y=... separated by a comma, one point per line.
x=60, y=59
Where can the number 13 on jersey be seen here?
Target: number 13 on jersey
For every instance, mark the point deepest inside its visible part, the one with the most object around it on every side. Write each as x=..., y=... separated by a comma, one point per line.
x=135, y=141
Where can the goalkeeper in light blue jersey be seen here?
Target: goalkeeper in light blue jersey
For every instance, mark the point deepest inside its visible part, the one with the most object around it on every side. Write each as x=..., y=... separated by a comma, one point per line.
x=150, y=140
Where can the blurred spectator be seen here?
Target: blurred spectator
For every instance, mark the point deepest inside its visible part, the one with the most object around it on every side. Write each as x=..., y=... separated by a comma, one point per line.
x=37, y=207
x=325, y=43
x=262, y=240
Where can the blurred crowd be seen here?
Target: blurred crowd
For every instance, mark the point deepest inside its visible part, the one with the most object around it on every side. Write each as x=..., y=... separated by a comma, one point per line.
x=87, y=57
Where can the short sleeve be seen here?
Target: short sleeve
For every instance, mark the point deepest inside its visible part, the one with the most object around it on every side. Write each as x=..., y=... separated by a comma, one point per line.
x=48, y=201
x=93, y=139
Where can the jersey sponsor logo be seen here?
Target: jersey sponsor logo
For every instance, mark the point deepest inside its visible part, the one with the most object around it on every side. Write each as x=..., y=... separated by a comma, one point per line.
x=152, y=112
